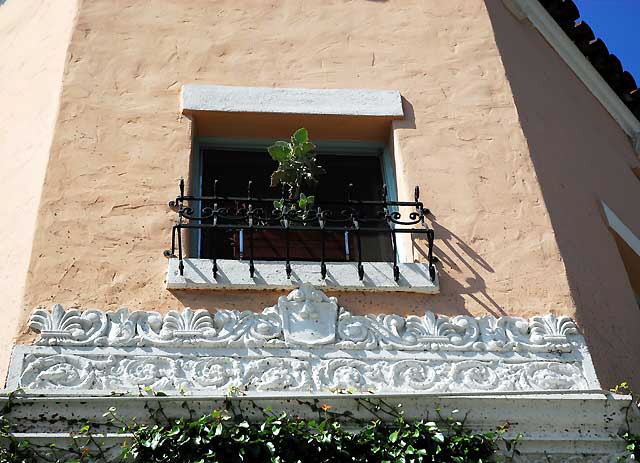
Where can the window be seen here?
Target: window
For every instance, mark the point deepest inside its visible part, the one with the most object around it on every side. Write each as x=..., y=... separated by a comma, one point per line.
x=354, y=237
x=352, y=171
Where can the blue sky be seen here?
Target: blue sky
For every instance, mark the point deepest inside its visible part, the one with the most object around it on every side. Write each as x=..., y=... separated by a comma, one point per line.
x=617, y=23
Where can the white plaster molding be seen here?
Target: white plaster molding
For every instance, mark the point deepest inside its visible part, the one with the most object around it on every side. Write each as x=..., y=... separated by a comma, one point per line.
x=234, y=274
x=345, y=102
x=306, y=317
x=85, y=372
x=621, y=229
x=575, y=59
x=305, y=342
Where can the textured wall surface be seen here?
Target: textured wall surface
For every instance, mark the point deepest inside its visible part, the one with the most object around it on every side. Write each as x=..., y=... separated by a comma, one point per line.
x=120, y=145
x=510, y=174
x=581, y=157
x=35, y=35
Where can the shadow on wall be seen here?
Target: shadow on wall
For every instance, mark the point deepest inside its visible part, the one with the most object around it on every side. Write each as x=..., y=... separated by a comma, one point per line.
x=451, y=251
x=409, y=119
x=447, y=243
x=578, y=153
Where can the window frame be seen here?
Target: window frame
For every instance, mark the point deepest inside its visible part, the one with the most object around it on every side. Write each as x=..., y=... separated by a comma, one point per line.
x=352, y=147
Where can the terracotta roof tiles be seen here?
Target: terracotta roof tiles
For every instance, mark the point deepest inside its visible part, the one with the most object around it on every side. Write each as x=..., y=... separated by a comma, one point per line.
x=566, y=14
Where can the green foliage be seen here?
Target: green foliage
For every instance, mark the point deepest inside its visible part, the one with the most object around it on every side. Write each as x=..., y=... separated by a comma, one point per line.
x=632, y=439
x=221, y=437
x=633, y=446
x=282, y=439
x=297, y=166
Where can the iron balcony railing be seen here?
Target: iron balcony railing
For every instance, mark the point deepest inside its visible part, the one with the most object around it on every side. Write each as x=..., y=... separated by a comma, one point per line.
x=249, y=214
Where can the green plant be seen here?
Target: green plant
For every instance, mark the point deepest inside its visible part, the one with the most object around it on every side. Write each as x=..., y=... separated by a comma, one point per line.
x=219, y=437
x=225, y=437
x=632, y=439
x=297, y=169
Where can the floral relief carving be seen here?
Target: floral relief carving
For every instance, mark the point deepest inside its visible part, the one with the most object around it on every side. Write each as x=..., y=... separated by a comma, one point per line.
x=188, y=325
x=306, y=317
x=71, y=327
x=278, y=374
x=351, y=374
x=305, y=342
x=218, y=374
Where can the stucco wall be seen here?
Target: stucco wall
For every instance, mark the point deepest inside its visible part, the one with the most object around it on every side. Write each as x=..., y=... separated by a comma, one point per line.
x=120, y=145
x=581, y=157
x=34, y=36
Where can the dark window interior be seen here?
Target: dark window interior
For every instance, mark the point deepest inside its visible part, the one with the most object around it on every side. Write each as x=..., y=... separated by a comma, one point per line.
x=234, y=169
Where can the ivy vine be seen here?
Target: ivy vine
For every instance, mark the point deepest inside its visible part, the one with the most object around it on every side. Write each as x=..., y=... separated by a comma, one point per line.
x=632, y=439
x=225, y=437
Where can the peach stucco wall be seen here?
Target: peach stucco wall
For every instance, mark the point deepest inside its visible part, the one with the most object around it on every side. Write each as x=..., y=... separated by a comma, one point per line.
x=120, y=144
x=581, y=157
x=35, y=35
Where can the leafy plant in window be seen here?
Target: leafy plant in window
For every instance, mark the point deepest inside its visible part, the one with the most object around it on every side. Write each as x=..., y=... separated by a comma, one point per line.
x=297, y=169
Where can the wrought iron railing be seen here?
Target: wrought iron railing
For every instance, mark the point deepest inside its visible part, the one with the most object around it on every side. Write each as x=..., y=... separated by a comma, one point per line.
x=250, y=214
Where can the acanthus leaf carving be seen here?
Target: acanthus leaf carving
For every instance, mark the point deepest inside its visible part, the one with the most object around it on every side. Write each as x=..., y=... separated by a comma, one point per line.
x=188, y=325
x=306, y=317
x=71, y=327
x=549, y=328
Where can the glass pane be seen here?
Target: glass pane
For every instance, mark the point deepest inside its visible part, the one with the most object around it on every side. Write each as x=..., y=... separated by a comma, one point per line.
x=234, y=169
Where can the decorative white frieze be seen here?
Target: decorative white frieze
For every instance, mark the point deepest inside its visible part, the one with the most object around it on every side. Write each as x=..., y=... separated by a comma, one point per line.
x=305, y=342
x=218, y=374
x=306, y=317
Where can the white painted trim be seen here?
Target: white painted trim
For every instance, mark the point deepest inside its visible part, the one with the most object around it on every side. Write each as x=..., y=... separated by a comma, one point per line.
x=584, y=70
x=343, y=102
x=621, y=229
x=234, y=274
x=305, y=342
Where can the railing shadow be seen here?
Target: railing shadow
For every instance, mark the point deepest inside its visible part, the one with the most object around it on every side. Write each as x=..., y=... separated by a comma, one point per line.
x=453, y=252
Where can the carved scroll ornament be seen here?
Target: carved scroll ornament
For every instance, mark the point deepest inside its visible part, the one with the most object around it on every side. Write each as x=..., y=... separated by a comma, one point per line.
x=306, y=317
x=304, y=343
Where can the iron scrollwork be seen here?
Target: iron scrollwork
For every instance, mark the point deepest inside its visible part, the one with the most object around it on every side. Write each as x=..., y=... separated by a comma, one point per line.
x=249, y=214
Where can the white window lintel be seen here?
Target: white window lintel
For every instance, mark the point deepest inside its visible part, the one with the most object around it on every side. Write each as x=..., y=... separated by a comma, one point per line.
x=343, y=102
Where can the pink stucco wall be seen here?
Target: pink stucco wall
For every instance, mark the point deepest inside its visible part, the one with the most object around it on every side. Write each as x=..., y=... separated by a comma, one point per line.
x=35, y=35
x=581, y=157
x=475, y=139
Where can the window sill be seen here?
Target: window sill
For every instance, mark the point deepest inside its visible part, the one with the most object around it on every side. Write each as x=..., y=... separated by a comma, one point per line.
x=233, y=274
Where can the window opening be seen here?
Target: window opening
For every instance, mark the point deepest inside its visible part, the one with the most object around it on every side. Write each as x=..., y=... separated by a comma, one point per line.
x=358, y=176
x=354, y=218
